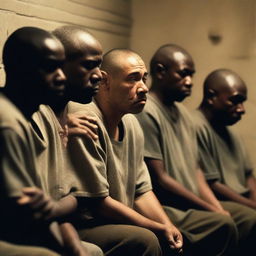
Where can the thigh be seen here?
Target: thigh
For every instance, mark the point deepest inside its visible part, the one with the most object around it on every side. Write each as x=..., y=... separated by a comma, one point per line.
x=201, y=229
x=122, y=239
x=245, y=219
x=9, y=249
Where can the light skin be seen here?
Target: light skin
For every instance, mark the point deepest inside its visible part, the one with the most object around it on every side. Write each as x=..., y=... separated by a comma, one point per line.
x=123, y=91
x=172, y=71
x=223, y=105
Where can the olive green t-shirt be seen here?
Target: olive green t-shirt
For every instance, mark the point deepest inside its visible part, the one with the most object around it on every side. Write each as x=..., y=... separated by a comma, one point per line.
x=226, y=162
x=170, y=136
x=18, y=169
x=107, y=167
x=50, y=138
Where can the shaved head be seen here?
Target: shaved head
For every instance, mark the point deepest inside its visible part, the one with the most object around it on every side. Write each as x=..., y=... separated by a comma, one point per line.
x=114, y=59
x=26, y=47
x=167, y=55
x=224, y=96
x=76, y=40
x=222, y=80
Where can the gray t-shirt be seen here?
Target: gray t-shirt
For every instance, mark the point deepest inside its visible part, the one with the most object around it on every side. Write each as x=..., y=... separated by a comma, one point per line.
x=170, y=136
x=53, y=163
x=226, y=162
x=107, y=167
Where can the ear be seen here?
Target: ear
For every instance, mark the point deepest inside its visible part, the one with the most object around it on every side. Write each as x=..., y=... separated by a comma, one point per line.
x=105, y=79
x=160, y=70
x=210, y=96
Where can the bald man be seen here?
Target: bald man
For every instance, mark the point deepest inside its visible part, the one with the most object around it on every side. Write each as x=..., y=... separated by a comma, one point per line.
x=26, y=212
x=223, y=158
x=81, y=67
x=120, y=207
x=171, y=155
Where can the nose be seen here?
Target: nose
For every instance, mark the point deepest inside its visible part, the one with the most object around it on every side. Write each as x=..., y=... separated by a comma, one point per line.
x=96, y=76
x=188, y=81
x=142, y=88
x=60, y=74
x=240, y=108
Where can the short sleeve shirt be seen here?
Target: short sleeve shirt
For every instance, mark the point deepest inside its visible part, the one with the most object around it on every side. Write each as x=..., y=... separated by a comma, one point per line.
x=220, y=160
x=170, y=136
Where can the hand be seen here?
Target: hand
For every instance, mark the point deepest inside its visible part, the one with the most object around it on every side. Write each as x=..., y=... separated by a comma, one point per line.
x=223, y=212
x=174, y=238
x=81, y=124
x=43, y=207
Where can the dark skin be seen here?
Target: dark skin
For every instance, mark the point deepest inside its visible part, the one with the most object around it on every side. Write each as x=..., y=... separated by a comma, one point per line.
x=172, y=70
x=84, y=57
x=33, y=61
x=223, y=105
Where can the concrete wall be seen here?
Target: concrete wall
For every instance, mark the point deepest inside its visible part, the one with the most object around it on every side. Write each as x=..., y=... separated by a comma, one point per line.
x=108, y=20
x=189, y=23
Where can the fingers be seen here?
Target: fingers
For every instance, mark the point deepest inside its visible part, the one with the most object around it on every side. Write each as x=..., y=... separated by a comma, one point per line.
x=82, y=131
x=80, y=124
x=40, y=204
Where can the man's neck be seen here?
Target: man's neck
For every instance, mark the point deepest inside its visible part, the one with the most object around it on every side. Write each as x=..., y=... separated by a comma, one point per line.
x=161, y=97
x=112, y=119
x=216, y=125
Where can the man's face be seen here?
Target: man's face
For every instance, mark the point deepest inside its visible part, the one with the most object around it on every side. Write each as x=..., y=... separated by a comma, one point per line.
x=83, y=74
x=177, y=78
x=228, y=104
x=127, y=87
x=48, y=80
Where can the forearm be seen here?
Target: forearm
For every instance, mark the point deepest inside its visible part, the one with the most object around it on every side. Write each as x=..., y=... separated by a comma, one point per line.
x=71, y=241
x=173, y=189
x=206, y=193
x=228, y=194
x=251, y=183
x=65, y=206
x=118, y=212
x=149, y=206
x=187, y=196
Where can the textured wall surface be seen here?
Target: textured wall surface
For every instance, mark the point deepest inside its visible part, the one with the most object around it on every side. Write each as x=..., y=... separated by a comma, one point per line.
x=189, y=23
x=108, y=20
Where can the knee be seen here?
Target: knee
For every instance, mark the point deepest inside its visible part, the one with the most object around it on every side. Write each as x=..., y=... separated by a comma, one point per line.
x=145, y=242
x=92, y=249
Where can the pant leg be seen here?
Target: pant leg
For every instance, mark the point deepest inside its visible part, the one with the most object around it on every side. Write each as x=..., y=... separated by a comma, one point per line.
x=245, y=219
x=204, y=232
x=116, y=240
x=92, y=249
x=9, y=249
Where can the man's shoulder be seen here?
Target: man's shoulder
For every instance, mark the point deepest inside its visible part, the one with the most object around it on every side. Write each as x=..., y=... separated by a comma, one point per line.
x=90, y=109
x=10, y=115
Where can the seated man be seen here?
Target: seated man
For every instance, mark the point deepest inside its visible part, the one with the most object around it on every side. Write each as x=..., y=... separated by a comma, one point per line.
x=115, y=197
x=81, y=67
x=171, y=155
x=32, y=58
x=223, y=158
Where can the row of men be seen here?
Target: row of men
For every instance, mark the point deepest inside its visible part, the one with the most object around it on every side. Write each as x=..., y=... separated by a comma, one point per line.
x=73, y=170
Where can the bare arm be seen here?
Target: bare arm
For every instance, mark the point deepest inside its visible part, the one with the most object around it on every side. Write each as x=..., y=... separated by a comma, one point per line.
x=251, y=183
x=229, y=194
x=71, y=240
x=149, y=206
x=43, y=206
x=207, y=194
x=171, y=186
x=112, y=209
